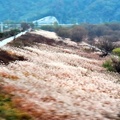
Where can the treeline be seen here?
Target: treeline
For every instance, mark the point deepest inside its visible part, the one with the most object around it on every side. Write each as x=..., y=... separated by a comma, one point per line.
x=102, y=36
x=10, y=33
x=76, y=33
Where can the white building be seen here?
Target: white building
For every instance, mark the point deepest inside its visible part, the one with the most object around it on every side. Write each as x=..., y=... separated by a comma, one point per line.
x=46, y=20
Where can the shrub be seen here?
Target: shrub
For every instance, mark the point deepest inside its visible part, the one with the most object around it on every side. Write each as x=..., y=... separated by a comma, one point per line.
x=113, y=64
x=14, y=32
x=108, y=65
x=63, y=32
x=78, y=33
x=104, y=44
x=116, y=51
x=116, y=64
x=10, y=33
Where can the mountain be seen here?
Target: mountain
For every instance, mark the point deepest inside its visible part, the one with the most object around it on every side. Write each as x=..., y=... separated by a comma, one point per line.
x=66, y=11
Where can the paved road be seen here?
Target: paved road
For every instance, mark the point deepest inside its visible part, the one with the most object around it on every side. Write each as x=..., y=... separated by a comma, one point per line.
x=7, y=40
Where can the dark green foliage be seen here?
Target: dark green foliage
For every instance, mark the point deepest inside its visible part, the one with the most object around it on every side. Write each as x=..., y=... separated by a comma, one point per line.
x=1, y=35
x=13, y=32
x=9, y=33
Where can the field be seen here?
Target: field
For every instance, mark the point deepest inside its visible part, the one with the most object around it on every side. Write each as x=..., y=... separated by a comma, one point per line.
x=54, y=79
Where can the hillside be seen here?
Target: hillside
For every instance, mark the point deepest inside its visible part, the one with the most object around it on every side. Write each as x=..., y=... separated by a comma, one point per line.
x=58, y=80
x=66, y=11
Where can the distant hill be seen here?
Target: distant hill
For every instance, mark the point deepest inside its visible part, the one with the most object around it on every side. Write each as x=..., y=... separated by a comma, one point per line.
x=66, y=11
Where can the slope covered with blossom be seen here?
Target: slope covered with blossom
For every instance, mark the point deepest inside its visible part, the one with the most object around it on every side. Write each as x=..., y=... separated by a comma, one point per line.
x=60, y=82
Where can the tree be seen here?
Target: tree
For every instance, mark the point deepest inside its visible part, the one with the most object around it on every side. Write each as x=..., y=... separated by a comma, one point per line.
x=105, y=45
x=25, y=26
x=63, y=32
x=78, y=33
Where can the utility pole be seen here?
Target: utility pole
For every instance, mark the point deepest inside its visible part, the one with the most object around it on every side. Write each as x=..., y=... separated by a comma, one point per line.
x=1, y=28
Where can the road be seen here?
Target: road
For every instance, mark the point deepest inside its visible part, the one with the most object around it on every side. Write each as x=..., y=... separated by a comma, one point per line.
x=7, y=40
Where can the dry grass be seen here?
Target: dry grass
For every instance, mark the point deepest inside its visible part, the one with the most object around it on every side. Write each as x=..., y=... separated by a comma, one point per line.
x=57, y=83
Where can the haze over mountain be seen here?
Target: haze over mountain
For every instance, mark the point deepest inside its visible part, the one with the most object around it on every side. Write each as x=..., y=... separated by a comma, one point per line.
x=66, y=11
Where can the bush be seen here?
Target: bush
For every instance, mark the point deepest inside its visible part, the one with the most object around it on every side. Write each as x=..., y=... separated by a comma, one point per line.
x=75, y=33
x=108, y=65
x=116, y=64
x=10, y=33
x=14, y=32
x=116, y=51
x=104, y=44
x=108, y=32
x=78, y=33
x=63, y=32
x=113, y=64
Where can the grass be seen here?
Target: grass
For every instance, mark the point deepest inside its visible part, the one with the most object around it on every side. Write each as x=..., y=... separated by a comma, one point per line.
x=58, y=85
x=8, y=110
